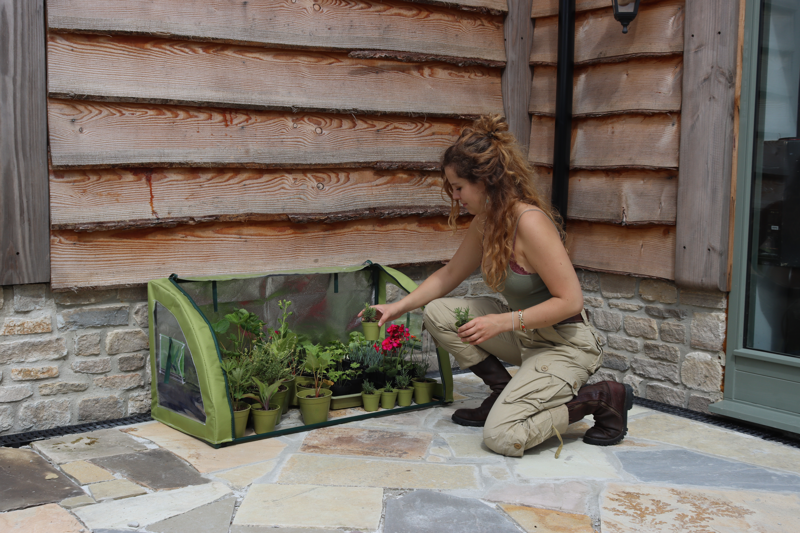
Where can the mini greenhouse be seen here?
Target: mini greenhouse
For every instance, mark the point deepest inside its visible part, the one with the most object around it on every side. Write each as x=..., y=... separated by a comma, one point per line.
x=190, y=391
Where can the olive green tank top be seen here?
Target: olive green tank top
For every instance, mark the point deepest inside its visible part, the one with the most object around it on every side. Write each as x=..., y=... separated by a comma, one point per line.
x=521, y=289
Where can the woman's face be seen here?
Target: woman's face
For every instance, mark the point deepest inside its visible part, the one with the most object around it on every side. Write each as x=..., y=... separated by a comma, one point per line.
x=471, y=196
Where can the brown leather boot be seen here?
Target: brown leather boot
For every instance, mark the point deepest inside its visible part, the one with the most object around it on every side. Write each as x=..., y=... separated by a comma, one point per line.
x=608, y=402
x=494, y=374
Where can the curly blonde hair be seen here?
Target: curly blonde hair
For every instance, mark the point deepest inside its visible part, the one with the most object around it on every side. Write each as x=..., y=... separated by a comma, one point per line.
x=487, y=153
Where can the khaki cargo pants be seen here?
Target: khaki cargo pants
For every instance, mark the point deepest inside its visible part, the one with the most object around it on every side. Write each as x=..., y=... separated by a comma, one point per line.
x=554, y=362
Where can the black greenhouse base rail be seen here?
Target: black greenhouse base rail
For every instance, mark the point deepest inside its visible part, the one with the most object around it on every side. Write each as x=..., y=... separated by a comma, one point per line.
x=22, y=439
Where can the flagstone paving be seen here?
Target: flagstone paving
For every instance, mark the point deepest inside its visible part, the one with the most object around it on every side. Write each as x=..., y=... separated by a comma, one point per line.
x=410, y=472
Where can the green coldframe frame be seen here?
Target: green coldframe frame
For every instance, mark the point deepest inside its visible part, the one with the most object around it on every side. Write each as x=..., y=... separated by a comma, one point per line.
x=201, y=406
x=760, y=387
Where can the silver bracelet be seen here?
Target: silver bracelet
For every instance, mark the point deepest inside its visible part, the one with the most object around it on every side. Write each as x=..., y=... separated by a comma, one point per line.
x=512, y=321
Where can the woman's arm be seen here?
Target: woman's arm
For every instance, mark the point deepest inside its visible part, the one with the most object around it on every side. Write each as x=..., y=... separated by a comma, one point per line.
x=540, y=245
x=466, y=259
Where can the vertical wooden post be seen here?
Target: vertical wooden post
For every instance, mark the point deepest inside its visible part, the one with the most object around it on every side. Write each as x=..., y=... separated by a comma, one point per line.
x=517, y=76
x=706, y=152
x=24, y=197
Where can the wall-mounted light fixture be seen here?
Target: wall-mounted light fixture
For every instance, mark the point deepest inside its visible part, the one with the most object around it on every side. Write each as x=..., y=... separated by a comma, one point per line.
x=625, y=11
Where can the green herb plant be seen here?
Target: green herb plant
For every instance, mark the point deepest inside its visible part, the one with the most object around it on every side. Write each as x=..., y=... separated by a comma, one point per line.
x=388, y=387
x=369, y=314
x=249, y=332
x=317, y=362
x=265, y=392
x=462, y=316
x=403, y=380
x=368, y=388
x=239, y=381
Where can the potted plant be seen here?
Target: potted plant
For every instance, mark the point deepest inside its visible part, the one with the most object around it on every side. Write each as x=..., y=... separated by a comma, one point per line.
x=264, y=419
x=369, y=321
x=370, y=396
x=462, y=317
x=405, y=392
x=315, y=403
x=388, y=396
x=239, y=379
x=249, y=332
x=423, y=386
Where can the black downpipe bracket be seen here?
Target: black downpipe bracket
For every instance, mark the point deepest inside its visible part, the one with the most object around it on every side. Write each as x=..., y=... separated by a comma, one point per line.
x=564, y=85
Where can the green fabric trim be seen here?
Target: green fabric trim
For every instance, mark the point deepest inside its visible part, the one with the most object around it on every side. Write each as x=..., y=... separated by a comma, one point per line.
x=315, y=270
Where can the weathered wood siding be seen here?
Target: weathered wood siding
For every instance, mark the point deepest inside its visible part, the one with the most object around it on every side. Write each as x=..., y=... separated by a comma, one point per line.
x=204, y=137
x=626, y=132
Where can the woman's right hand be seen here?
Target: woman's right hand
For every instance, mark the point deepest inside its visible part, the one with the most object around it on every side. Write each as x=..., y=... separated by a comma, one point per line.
x=387, y=312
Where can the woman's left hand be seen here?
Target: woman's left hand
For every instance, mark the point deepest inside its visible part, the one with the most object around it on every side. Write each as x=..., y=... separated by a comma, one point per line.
x=483, y=328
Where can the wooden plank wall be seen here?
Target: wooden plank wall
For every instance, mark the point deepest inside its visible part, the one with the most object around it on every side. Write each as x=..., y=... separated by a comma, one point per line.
x=626, y=132
x=24, y=223
x=204, y=137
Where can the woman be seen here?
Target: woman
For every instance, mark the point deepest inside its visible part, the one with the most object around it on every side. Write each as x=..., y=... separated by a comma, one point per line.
x=517, y=242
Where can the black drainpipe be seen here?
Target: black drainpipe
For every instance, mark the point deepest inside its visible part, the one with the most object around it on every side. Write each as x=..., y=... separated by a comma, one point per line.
x=563, y=133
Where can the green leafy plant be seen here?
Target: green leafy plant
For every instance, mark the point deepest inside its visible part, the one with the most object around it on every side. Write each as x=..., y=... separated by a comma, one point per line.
x=266, y=392
x=368, y=388
x=462, y=316
x=249, y=332
x=369, y=314
x=270, y=362
x=317, y=362
x=239, y=380
x=388, y=387
x=403, y=380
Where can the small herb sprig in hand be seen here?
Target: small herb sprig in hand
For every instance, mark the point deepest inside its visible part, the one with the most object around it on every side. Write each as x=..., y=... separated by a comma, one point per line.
x=369, y=314
x=462, y=316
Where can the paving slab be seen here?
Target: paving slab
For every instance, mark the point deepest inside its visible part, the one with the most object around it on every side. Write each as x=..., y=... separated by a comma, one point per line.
x=708, y=439
x=77, y=501
x=202, y=456
x=239, y=478
x=266, y=529
x=547, y=521
x=43, y=519
x=26, y=480
x=684, y=467
x=469, y=446
x=367, y=442
x=498, y=472
x=211, y=518
x=116, y=489
x=102, y=443
x=401, y=421
x=424, y=511
x=84, y=472
x=626, y=508
x=577, y=460
x=291, y=505
x=571, y=496
x=150, y=508
x=155, y=469
x=351, y=472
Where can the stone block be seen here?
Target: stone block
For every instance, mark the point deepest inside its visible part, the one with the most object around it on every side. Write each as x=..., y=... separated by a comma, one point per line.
x=617, y=286
x=119, y=381
x=624, y=306
x=140, y=315
x=15, y=393
x=6, y=418
x=641, y=327
x=44, y=414
x=665, y=312
x=100, y=408
x=699, y=403
x=63, y=387
x=92, y=366
x=606, y=320
x=618, y=342
x=672, y=332
x=30, y=374
x=139, y=403
x=635, y=382
x=656, y=370
x=665, y=394
x=664, y=352
x=479, y=288
x=117, y=489
x=589, y=281
x=87, y=344
x=708, y=331
x=26, y=326
x=31, y=351
x=1, y=297
x=133, y=294
x=130, y=362
x=83, y=297
x=654, y=290
x=93, y=317
x=712, y=299
x=602, y=375
x=591, y=301
x=29, y=297
x=458, y=292
x=447, y=513
x=702, y=372
x=126, y=340
x=615, y=361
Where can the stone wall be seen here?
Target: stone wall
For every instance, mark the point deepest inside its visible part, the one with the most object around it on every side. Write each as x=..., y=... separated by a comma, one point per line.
x=69, y=358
